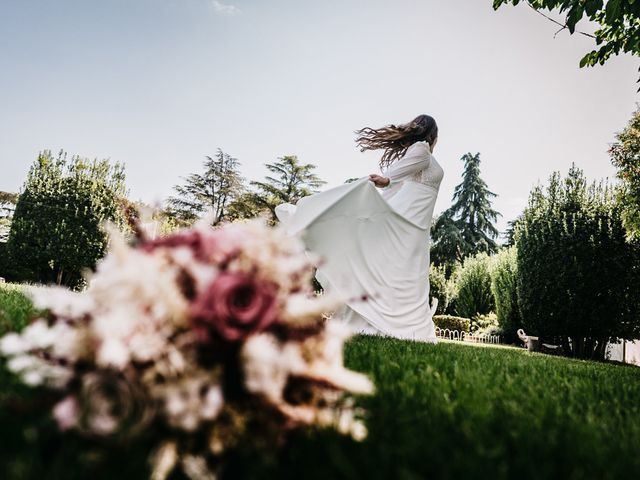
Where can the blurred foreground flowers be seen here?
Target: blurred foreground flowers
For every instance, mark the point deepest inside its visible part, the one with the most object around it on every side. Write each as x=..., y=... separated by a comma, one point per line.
x=208, y=338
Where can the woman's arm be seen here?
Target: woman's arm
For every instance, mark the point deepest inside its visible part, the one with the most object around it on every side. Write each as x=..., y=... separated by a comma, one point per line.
x=417, y=158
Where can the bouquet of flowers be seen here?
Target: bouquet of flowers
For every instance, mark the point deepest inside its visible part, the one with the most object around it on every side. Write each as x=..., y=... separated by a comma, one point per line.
x=209, y=337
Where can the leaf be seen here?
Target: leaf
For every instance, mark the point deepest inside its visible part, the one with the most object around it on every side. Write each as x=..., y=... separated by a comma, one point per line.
x=592, y=6
x=585, y=60
x=613, y=11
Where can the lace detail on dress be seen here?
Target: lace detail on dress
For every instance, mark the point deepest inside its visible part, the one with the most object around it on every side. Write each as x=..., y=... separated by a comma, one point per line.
x=430, y=176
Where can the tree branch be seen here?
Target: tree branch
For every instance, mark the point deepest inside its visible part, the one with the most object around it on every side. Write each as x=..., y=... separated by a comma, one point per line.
x=562, y=26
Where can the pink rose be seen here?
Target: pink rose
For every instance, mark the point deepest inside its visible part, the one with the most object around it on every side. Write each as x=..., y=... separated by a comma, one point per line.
x=235, y=305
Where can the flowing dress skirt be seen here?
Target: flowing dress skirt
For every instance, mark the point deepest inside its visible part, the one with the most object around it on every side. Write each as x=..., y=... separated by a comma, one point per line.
x=374, y=253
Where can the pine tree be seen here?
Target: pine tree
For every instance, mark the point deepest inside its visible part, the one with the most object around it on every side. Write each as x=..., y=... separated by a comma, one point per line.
x=466, y=227
x=446, y=236
x=291, y=182
x=214, y=190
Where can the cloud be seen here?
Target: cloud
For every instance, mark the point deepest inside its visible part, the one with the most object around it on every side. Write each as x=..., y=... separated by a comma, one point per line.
x=225, y=9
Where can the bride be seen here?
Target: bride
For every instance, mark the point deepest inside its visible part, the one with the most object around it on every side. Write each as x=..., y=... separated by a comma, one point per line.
x=374, y=242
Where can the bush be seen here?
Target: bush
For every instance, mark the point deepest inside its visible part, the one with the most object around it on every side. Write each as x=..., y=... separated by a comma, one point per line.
x=56, y=230
x=504, y=283
x=441, y=288
x=473, y=287
x=483, y=324
x=577, y=276
x=452, y=323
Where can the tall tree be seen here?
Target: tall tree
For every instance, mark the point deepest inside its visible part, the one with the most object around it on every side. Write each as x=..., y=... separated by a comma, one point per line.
x=211, y=191
x=56, y=229
x=577, y=276
x=290, y=182
x=510, y=233
x=618, y=22
x=447, y=242
x=625, y=156
x=466, y=227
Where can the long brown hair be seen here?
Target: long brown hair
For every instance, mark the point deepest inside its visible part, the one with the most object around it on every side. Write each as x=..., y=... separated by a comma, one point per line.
x=395, y=139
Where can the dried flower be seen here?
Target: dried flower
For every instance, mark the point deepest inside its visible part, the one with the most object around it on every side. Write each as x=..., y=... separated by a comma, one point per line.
x=235, y=305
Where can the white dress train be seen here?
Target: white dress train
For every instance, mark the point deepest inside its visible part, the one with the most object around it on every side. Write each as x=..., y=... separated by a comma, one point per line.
x=374, y=245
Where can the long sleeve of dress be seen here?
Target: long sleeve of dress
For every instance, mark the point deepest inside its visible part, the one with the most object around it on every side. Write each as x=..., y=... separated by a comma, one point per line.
x=417, y=158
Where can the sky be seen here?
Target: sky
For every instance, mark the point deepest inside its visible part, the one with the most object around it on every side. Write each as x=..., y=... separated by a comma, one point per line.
x=160, y=84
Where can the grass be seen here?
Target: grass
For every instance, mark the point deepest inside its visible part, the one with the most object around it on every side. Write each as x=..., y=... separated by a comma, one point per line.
x=441, y=411
x=15, y=307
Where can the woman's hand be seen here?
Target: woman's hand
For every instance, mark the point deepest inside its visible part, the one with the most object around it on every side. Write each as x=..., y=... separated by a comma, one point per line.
x=378, y=180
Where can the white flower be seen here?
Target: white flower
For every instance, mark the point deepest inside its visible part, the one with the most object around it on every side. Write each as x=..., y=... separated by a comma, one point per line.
x=164, y=460
x=36, y=371
x=23, y=349
x=300, y=308
x=266, y=367
x=62, y=301
x=13, y=344
x=112, y=353
x=269, y=364
x=190, y=400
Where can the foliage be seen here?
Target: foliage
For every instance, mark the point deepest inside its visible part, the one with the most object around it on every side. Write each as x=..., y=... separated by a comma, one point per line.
x=474, y=408
x=466, y=227
x=291, y=181
x=510, y=233
x=441, y=287
x=486, y=324
x=212, y=191
x=244, y=207
x=446, y=242
x=452, y=322
x=625, y=156
x=473, y=287
x=56, y=231
x=618, y=21
x=577, y=276
x=504, y=283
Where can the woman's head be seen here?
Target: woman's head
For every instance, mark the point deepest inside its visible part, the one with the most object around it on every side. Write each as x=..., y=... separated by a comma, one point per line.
x=395, y=139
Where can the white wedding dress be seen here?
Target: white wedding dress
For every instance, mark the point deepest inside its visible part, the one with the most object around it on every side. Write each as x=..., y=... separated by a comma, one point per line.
x=374, y=245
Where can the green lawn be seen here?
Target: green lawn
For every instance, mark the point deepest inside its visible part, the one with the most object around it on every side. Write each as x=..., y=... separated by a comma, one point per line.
x=15, y=308
x=441, y=411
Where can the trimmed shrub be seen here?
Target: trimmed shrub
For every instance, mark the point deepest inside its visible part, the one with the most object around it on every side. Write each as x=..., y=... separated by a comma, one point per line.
x=452, y=323
x=56, y=232
x=577, y=276
x=504, y=283
x=473, y=287
x=441, y=288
